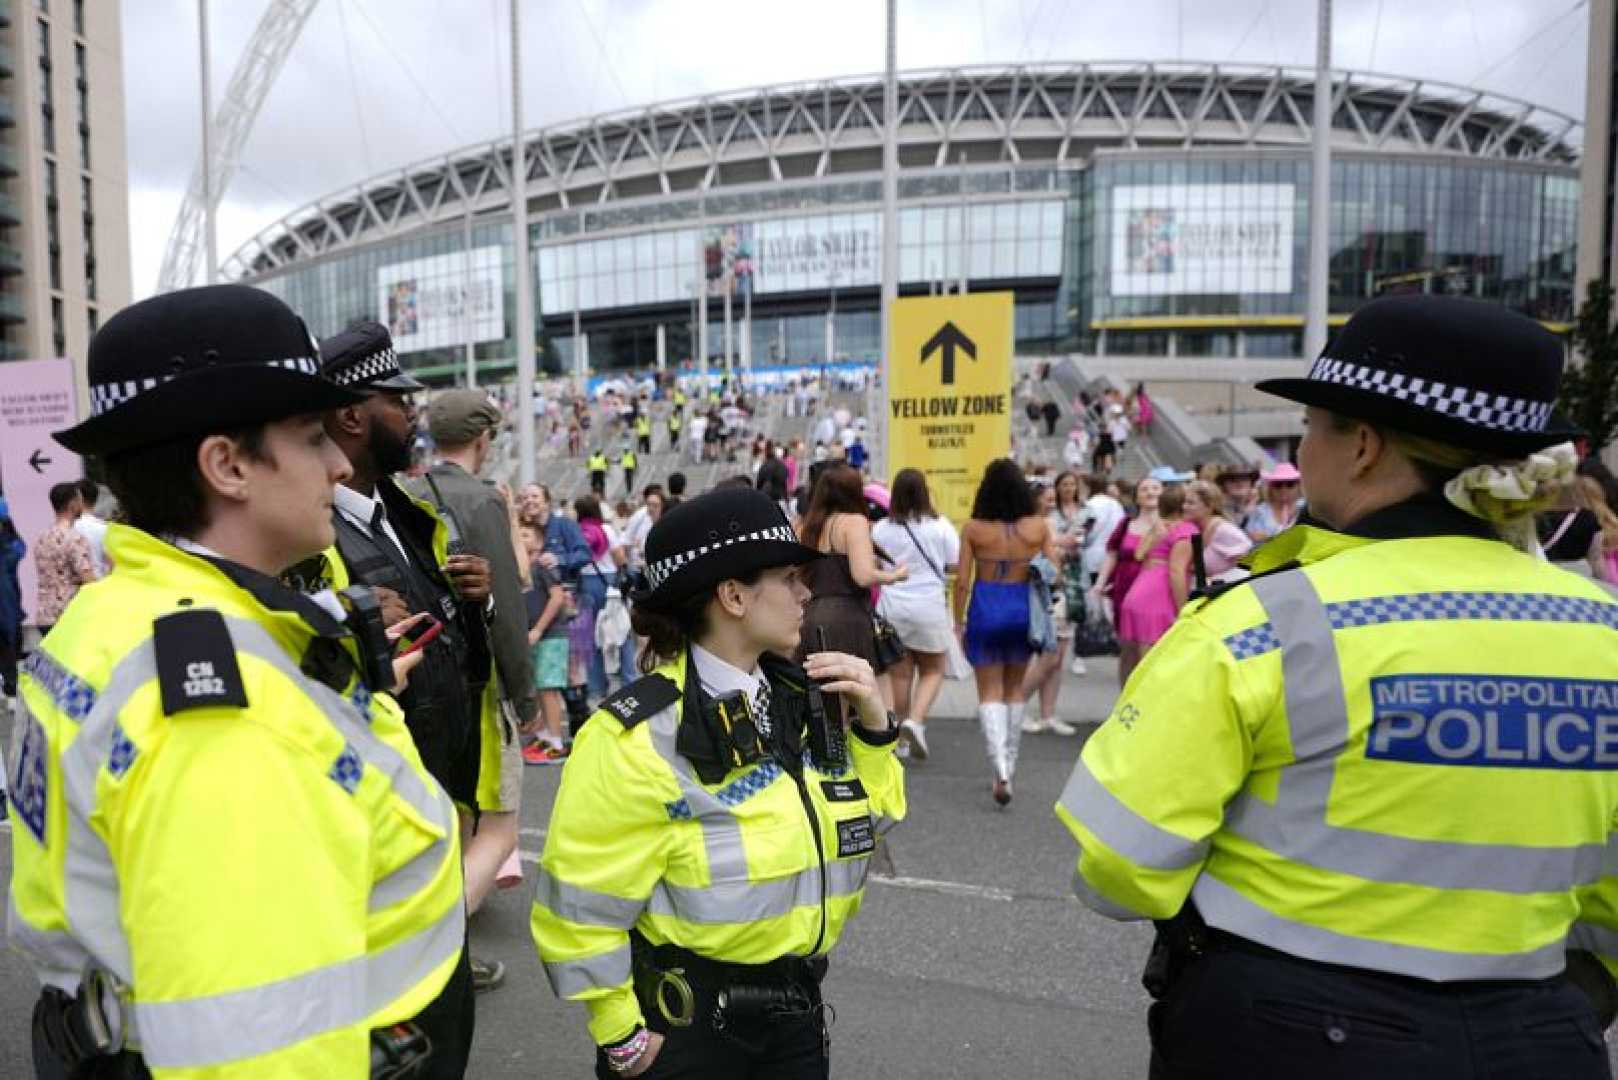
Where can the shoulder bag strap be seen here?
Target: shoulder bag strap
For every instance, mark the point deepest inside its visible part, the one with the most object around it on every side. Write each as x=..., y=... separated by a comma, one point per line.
x=1567, y=522
x=928, y=559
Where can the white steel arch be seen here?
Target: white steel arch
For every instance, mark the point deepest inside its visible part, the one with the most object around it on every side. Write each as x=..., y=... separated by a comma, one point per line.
x=250, y=84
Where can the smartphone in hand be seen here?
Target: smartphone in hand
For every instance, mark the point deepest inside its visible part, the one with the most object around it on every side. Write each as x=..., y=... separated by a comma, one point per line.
x=414, y=644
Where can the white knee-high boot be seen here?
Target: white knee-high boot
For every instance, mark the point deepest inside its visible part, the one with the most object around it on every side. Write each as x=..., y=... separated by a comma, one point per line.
x=992, y=717
x=1014, y=711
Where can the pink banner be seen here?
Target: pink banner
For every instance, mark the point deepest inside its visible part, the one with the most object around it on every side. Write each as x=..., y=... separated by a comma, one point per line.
x=36, y=398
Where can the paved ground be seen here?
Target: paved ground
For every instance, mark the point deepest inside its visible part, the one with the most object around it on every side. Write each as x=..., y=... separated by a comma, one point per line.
x=969, y=958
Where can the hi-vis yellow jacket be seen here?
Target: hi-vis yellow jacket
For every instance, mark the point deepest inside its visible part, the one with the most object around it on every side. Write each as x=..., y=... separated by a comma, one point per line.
x=328, y=571
x=736, y=871
x=260, y=860
x=1400, y=755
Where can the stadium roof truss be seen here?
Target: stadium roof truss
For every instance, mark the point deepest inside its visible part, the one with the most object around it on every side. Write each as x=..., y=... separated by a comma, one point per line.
x=1057, y=114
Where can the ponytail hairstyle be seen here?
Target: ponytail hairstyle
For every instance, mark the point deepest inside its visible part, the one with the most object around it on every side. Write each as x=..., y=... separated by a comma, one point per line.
x=1505, y=492
x=670, y=635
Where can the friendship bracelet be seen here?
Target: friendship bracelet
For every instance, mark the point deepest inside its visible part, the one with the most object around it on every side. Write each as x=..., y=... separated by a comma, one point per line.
x=621, y=1057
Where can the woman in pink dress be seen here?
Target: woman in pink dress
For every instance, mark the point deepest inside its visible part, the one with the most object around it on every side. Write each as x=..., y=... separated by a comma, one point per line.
x=1123, y=564
x=1155, y=598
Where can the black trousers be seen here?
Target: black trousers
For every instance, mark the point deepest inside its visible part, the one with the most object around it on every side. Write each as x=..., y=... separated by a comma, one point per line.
x=10, y=654
x=448, y=1023
x=784, y=1049
x=1261, y=1015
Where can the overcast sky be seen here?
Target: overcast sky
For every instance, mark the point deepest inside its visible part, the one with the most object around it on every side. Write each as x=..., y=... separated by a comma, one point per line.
x=376, y=84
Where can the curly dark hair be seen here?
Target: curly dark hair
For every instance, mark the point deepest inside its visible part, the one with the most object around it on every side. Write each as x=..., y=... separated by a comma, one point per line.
x=1004, y=494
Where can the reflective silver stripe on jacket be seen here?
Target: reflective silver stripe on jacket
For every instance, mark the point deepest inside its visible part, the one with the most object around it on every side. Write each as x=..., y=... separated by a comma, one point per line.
x=1228, y=909
x=569, y=978
x=584, y=906
x=214, y=1028
x=1295, y=825
x=1142, y=842
x=732, y=898
x=207, y=1030
x=56, y=957
x=1592, y=937
x=753, y=901
x=1096, y=902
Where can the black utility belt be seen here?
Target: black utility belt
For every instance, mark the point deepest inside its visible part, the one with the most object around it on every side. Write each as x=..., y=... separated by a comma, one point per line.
x=710, y=973
x=682, y=987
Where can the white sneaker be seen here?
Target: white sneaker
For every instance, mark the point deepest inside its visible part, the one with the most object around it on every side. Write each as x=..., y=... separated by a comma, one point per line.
x=1057, y=726
x=1077, y=667
x=917, y=738
x=902, y=751
x=1031, y=726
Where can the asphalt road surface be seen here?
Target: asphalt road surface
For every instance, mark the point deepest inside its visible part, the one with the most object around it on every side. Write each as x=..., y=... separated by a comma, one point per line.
x=970, y=958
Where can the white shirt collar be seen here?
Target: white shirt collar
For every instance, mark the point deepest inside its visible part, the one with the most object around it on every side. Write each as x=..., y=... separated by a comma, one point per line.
x=193, y=548
x=357, y=506
x=721, y=677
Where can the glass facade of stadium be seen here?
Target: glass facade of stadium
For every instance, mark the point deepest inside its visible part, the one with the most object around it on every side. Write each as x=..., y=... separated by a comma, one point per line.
x=1196, y=252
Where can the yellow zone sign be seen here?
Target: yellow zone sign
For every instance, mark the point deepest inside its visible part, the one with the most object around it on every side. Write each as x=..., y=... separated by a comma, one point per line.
x=949, y=392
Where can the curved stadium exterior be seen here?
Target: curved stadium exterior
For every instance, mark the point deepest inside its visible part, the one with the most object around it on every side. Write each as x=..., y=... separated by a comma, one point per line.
x=1134, y=208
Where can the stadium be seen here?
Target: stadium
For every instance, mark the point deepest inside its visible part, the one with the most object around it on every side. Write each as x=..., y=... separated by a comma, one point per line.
x=1135, y=209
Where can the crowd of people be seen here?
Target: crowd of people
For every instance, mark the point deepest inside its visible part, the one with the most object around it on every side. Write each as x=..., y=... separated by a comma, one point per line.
x=681, y=652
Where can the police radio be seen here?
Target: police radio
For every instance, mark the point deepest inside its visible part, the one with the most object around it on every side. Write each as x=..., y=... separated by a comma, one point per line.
x=828, y=741
x=364, y=621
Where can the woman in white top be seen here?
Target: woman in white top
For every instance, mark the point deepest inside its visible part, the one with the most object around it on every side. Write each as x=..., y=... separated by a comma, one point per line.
x=926, y=545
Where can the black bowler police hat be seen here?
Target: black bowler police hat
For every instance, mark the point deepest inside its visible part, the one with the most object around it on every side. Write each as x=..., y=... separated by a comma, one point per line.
x=362, y=358
x=197, y=361
x=1462, y=372
x=727, y=533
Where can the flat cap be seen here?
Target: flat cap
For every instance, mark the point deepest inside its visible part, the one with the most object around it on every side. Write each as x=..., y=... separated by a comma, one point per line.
x=456, y=417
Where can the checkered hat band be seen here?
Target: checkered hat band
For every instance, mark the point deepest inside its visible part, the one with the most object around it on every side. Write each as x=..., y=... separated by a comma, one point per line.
x=661, y=570
x=379, y=365
x=1479, y=408
x=104, y=397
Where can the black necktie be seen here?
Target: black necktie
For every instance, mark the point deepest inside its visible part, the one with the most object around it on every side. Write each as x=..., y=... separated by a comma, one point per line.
x=379, y=519
x=761, y=708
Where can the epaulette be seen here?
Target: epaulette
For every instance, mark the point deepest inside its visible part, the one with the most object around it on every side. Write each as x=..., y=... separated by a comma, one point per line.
x=1216, y=589
x=196, y=662
x=641, y=700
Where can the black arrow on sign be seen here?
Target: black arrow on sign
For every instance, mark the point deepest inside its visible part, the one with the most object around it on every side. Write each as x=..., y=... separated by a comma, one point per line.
x=949, y=338
x=38, y=460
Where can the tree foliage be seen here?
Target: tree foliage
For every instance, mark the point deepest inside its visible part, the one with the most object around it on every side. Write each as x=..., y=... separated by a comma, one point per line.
x=1589, y=394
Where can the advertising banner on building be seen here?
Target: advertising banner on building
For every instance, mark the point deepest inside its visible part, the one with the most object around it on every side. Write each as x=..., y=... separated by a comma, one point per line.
x=1205, y=239
x=727, y=259
x=36, y=398
x=821, y=252
x=436, y=302
x=949, y=403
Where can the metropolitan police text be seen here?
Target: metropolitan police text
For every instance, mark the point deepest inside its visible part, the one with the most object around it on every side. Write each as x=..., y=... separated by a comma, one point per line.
x=1495, y=720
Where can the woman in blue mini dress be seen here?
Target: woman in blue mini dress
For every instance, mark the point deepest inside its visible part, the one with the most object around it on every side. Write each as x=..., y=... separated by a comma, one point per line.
x=1005, y=531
